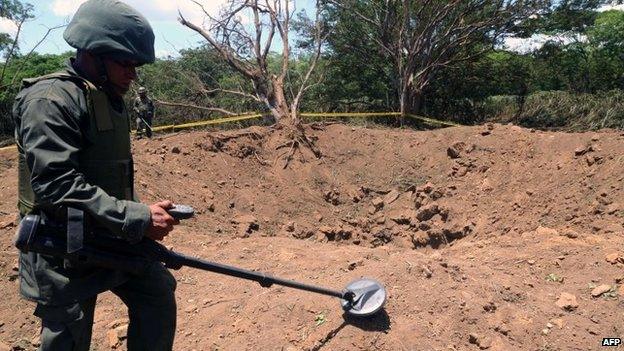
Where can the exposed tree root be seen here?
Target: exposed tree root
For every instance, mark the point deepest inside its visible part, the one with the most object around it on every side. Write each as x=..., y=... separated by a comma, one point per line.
x=296, y=141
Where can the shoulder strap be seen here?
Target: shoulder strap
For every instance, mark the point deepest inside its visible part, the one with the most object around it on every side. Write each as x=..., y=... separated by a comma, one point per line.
x=96, y=98
x=56, y=75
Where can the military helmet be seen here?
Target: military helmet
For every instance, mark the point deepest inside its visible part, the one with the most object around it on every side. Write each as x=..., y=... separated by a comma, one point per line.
x=111, y=28
x=142, y=90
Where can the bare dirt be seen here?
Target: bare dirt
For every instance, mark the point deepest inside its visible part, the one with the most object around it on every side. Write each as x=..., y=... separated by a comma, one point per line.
x=489, y=237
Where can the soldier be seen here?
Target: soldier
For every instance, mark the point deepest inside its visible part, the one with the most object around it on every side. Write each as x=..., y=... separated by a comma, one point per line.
x=72, y=131
x=144, y=111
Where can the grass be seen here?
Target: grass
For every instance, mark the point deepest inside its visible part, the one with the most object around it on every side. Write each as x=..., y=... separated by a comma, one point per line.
x=559, y=110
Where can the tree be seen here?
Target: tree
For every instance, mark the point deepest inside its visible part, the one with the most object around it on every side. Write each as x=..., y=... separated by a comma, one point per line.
x=422, y=37
x=18, y=13
x=246, y=48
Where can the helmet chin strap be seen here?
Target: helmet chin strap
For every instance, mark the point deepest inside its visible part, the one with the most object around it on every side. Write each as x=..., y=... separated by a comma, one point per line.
x=101, y=70
x=102, y=73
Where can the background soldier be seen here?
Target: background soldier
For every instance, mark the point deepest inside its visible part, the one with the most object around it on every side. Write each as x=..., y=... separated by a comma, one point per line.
x=72, y=131
x=144, y=111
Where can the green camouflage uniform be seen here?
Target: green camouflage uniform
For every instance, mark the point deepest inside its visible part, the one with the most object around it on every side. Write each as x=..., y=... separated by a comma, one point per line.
x=144, y=110
x=74, y=150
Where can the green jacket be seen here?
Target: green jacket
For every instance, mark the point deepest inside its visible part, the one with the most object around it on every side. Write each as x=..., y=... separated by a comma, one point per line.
x=74, y=147
x=143, y=108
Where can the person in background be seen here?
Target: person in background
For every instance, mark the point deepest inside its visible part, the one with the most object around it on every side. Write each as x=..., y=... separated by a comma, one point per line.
x=144, y=111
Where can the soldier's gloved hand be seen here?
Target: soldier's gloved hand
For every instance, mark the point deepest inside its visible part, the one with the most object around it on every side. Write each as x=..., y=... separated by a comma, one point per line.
x=162, y=222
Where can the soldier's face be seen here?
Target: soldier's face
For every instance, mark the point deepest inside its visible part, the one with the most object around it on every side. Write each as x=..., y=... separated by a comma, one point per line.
x=120, y=74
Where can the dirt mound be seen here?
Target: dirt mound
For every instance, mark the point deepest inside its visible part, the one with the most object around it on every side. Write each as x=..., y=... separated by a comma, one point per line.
x=489, y=237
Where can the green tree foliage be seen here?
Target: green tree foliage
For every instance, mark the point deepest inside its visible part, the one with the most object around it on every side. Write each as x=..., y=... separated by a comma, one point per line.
x=17, y=69
x=420, y=38
x=578, y=83
x=17, y=12
x=195, y=83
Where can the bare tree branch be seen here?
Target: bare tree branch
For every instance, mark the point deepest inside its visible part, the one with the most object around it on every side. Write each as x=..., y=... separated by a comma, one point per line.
x=248, y=54
x=178, y=104
x=32, y=50
x=12, y=49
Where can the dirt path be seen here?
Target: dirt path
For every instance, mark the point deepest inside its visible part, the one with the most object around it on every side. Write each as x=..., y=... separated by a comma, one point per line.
x=489, y=237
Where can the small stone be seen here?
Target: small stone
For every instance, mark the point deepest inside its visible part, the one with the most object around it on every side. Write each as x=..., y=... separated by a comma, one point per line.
x=614, y=258
x=353, y=264
x=190, y=309
x=452, y=152
x=378, y=203
x=112, y=339
x=503, y=329
x=243, y=219
x=427, y=272
x=570, y=233
x=122, y=331
x=473, y=338
x=289, y=227
x=546, y=231
x=7, y=224
x=567, y=302
x=601, y=289
x=558, y=322
x=612, y=208
x=117, y=322
x=483, y=342
x=209, y=194
x=425, y=213
x=391, y=197
x=549, y=325
x=211, y=207
x=402, y=217
x=490, y=307
x=486, y=185
x=325, y=229
x=246, y=225
x=426, y=188
x=175, y=150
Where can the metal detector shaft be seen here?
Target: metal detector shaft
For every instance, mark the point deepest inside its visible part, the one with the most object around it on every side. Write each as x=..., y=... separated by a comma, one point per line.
x=265, y=280
x=146, y=124
x=104, y=251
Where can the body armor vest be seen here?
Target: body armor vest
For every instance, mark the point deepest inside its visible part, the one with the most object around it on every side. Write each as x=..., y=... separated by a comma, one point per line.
x=104, y=161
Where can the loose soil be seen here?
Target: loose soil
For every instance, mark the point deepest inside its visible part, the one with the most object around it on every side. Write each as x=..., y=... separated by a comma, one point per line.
x=489, y=237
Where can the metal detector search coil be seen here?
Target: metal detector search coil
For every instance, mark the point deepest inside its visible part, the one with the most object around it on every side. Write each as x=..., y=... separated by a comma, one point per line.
x=364, y=297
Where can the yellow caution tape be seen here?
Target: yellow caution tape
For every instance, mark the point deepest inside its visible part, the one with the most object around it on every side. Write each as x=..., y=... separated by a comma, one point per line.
x=434, y=121
x=174, y=127
x=205, y=123
x=350, y=114
x=379, y=114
